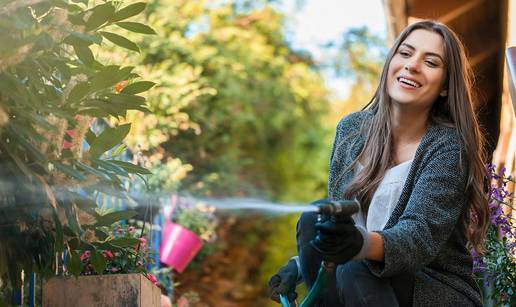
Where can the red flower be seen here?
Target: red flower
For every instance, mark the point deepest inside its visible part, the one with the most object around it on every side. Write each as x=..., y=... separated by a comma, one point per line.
x=152, y=278
x=120, y=86
x=85, y=255
x=108, y=255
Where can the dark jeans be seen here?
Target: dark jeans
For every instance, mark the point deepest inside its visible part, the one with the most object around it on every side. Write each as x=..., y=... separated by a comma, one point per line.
x=353, y=284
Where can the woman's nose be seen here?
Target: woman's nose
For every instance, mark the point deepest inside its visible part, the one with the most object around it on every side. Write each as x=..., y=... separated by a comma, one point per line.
x=412, y=66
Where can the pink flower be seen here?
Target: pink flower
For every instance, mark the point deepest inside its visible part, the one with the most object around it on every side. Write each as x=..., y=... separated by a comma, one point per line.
x=67, y=145
x=152, y=278
x=108, y=255
x=85, y=255
x=114, y=270
x=143, y=242
x=131, y=229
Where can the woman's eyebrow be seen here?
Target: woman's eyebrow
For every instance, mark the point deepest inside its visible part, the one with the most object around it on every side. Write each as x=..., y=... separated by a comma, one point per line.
x=427, y=53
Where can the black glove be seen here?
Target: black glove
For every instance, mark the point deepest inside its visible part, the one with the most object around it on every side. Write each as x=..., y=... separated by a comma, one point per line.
x=284, y=282
x=338, y=240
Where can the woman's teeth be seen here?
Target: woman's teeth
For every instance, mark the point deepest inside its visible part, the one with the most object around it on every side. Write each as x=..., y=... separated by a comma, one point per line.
x=409, y=82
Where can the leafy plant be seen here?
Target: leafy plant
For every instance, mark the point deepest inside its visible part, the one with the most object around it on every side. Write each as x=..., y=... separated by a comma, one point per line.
x=111, y=249
x=497, y=266
x=52, y=87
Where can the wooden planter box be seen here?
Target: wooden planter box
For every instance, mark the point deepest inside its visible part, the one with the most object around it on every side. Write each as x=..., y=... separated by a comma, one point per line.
x=118, y=290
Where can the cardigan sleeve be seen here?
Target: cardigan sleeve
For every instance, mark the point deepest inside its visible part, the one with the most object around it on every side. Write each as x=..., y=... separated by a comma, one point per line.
x=431, y=214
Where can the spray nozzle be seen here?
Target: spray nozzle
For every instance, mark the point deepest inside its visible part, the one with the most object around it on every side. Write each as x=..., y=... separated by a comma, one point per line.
x=337, y=207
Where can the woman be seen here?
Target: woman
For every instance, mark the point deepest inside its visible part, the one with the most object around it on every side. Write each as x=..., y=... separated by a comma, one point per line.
x=414, y=160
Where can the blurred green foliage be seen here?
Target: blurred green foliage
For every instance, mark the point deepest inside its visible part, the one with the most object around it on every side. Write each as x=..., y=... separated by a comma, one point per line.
x=234, y=101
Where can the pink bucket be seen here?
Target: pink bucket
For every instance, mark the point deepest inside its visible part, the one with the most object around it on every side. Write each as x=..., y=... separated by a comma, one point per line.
x=178, y=246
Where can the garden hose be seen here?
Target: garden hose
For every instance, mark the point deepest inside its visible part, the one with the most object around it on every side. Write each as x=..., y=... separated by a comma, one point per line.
x=336, y=209
x=325, y=271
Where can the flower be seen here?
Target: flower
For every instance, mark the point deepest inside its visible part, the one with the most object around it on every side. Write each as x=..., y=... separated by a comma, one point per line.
x=85, y=255
x=152, y=278
x=120, y=86
x=143, y=242
x=498, y=260
x=108, y=255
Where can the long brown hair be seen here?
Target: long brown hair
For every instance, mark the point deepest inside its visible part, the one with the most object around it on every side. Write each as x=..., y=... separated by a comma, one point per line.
x=456, y=109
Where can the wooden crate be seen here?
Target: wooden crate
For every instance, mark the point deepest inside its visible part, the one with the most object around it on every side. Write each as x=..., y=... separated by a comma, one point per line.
x=118, y=290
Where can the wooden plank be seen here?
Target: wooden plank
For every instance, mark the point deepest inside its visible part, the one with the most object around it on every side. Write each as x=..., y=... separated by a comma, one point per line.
x=443, y=10
x=118, y=290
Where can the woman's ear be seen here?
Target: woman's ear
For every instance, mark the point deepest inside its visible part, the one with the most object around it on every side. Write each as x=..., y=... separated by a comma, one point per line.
x=443, y=93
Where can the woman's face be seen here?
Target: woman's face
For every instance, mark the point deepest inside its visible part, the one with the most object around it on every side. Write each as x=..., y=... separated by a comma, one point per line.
x=416, y=73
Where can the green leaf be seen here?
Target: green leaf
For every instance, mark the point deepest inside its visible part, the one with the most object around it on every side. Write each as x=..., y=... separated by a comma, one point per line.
x=59, y=245
x=131, y=168
x=67, y=231
x=90, y=137
x=136, y=27
x=101, y=14
x=68, y=170
x=93, y=112
x=110, y=167
x=113, y=217
x=79, y=91
x=129, y=11
x=86, y=204
x=74, y=264
x=109, y=76
x=120, y=41
x=128, y=102
x=82, y=39
x=125, y=99
x=84, y=54
x=137, y=87
x=98, y=262
x=124, y=242
x=77, y=244
x=101, y=235
x=81, y=1
x=108, y=139
x=101, y=175
x=71, y=216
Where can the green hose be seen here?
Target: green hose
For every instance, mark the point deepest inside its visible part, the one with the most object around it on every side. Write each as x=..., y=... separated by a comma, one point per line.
x=320, y=283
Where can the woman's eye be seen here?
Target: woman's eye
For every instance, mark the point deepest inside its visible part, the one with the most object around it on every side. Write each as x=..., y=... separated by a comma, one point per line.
x=404, y=53
x=431, y=63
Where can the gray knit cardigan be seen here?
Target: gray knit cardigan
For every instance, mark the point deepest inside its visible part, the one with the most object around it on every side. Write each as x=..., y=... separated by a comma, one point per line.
x=422, y=236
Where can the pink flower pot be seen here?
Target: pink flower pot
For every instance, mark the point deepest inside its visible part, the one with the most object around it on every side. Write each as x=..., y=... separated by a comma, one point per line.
x=178, y=246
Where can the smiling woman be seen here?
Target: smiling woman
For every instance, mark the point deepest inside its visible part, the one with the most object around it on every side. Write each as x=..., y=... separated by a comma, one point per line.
x=413, y=157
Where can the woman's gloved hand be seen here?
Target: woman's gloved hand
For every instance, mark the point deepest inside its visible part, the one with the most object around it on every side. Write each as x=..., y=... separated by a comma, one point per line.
x=284, y=282
x=339, y=241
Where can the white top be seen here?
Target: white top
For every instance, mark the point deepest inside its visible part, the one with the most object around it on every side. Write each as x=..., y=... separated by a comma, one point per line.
x=385, y=198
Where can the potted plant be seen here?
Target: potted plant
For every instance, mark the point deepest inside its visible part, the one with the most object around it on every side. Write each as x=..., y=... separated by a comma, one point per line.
x=106, y=267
